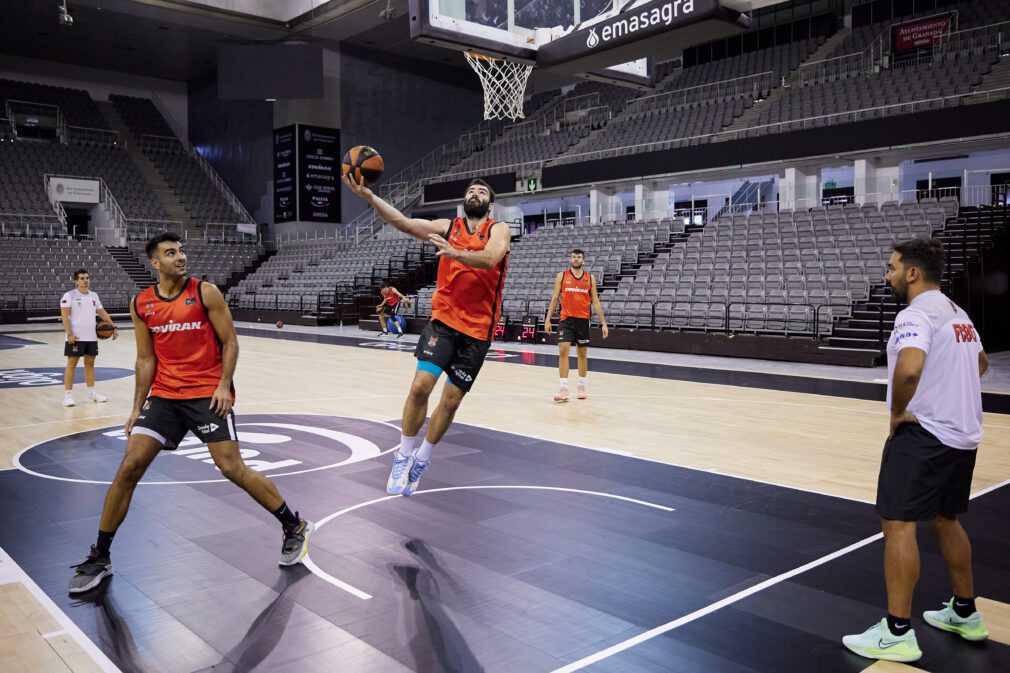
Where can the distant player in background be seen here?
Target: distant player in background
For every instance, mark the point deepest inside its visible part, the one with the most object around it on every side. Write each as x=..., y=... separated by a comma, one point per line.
x=390, y=307
x=78, y=310
x=576, y=288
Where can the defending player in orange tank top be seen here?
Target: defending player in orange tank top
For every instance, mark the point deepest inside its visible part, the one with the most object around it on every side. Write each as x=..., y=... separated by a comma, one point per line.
x=185, y=343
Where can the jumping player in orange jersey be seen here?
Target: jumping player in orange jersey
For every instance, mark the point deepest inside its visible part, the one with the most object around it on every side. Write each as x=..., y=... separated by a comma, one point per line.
x=473, y=252
x=577, y=289
x=186, y=355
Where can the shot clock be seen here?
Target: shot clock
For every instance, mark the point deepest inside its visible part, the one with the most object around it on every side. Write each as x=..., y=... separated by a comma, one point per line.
x=499, y=329
x=529, y=329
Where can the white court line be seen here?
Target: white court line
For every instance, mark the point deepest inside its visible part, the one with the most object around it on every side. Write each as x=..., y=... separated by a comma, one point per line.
x=53, y=634
x=322, y=574
x=349, y=461
x=11, y=571
x=709, y=609
x=693, y=468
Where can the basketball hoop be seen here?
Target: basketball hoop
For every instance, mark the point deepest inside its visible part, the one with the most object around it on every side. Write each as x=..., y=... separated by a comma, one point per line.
x=504, y=84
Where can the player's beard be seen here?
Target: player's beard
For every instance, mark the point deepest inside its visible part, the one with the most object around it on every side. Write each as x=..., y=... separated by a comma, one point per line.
x=476, y=208
x=576, y=265
x=900, y=291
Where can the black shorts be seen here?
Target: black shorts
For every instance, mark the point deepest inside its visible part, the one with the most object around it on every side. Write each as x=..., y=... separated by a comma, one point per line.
x=574, y=330
x=460, y=356
x=391, y=310
x=921, y=477
x=80, y=348
x=168, y=421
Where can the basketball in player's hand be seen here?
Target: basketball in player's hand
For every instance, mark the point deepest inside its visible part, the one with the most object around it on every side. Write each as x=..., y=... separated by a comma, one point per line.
x=362, y=163
x=406, y=303
x=104, y=330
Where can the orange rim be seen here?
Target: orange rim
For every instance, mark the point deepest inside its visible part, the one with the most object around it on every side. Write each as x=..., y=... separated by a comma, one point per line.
x=481, y=57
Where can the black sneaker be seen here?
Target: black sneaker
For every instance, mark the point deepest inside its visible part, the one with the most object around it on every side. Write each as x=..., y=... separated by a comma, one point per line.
x=296, y=542
x=90, y=573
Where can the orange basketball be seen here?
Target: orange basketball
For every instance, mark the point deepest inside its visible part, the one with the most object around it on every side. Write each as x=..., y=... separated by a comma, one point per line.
x=104, y=330
x=362, y=162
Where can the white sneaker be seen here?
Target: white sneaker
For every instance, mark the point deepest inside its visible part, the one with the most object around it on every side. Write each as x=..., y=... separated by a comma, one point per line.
x=68, y=400
x=969, y=628
x=877, y=642
x=400, y=474
x=97, y=397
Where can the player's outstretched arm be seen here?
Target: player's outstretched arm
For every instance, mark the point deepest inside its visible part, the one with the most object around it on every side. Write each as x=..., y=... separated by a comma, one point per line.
x=220, y=318
x=554, y=302
x=145, y=367
x=415, y=227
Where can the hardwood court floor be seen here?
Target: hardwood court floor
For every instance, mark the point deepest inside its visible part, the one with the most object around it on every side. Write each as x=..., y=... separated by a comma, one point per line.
x=466, y=576
x=826, y=444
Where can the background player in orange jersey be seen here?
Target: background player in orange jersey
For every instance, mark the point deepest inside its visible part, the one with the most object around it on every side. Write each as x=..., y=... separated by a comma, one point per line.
x=389, y=307
x=186, y=354
x=577, y=289
x=473, y=261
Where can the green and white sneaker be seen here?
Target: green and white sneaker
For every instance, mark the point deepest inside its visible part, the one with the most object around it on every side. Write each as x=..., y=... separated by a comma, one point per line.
x=877, y=642
x=969, y=628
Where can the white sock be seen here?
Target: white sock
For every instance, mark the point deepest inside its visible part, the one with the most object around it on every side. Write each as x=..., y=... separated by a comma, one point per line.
x=407, y=445
x=582, y=380
x=424, y=453
x=91, y=391
x=564, y=383
x=68, y=393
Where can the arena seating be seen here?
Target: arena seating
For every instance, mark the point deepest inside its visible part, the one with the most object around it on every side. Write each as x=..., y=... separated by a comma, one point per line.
x=77, y=107
x=141, y=116
x=770, y=269
x=299, y=272
x=38, y=271
x=24, y=163
x=218, y=261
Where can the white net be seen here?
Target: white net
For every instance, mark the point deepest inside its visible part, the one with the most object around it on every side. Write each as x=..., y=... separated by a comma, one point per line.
x=504, y=84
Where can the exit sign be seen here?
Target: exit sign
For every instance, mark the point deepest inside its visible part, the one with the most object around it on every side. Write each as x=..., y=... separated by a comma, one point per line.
x=532, y=184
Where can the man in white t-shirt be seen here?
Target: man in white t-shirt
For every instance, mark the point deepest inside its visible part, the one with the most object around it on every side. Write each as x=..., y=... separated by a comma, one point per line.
x=78, y=309
x=934, y=361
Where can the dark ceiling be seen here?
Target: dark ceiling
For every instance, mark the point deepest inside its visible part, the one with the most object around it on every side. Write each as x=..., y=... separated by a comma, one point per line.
x=178, y=41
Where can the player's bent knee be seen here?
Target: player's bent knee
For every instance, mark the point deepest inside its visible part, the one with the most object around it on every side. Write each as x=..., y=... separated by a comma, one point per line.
x=130, y=472
x=232, y=471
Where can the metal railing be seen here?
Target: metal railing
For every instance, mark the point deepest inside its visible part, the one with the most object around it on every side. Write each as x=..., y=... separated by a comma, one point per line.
x=991, y=36
x=572, y=107
x=14, y=107
x=215, y=178
x=143, y=229
x=8, y=129
x=84, y=135
x=716, y=317
x=44, y=301
x=867, y=61
x=116, y=234
x=61, y=213
x=28, y=225
x=737, y=86
x=226, y=232
x=163, y=143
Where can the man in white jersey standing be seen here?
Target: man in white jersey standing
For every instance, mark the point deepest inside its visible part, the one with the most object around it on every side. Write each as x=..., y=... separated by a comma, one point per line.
x=934, y=361
x=78, y=309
